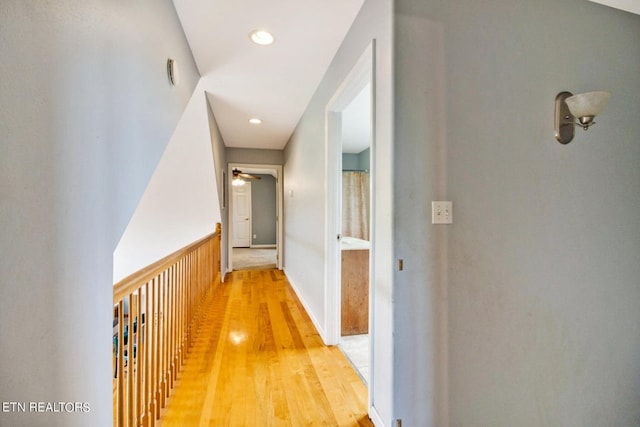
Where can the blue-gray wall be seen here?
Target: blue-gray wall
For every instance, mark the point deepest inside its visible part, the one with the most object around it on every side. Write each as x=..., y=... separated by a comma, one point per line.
x=220, y=163
x=524, y=311
x=87, y=112
x=305, y=201
x=263, y=210
x=255, y=156
x=357, y=162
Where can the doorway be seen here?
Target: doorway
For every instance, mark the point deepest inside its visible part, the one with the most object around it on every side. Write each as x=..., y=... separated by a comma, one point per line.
x=255, y=234
x=241, y=220
x=350, y=150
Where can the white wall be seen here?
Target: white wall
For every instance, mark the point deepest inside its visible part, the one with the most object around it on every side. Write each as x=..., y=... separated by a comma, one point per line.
x=539, y=272
x=180, y=204
x=86, y=114
x=304, y=176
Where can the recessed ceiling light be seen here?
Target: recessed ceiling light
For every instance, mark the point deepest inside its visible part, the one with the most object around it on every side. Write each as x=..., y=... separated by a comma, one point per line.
x=255, y=121
x=261, y=37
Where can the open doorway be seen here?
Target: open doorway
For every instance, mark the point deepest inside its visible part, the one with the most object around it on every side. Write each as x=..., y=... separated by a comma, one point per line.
x=255, y=231
x=350, y=147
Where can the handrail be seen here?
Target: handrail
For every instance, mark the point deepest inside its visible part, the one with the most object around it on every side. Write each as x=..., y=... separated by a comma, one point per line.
x=129, y=283
x=157, y=312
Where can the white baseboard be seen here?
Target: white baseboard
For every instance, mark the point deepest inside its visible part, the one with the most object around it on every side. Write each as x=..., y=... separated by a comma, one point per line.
x=375, y=417
x=315, y=322
x=263, y=246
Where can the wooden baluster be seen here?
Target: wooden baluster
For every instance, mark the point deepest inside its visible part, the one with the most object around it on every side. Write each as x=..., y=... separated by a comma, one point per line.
x=214, y=261
x=140, y=358
x=160, y=371
x=195, y=273
x=148, y=380
x=156, y=352
x=185, y=308
x=114, y=368
x=204, y=262
x=131, y=339
x=178, y=303
x=171, y=296
x=120, y=365
x=175, y=366
x=189, y=306
x=163, y=341
x=167, y=338
x=159, y=376
x=181, y=312
x=212, y=264
x=170, y=326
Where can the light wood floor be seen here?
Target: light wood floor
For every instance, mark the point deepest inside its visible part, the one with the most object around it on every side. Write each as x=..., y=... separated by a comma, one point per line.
x=258, y=361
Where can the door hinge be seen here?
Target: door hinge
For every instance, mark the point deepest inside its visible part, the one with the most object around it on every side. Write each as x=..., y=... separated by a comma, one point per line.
x=397, y=423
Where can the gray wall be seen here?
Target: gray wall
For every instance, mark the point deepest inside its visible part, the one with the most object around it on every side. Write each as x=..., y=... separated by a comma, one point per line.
x=256, y=156
x=357, y=162
x=305, y=198
x=535, y=285
x=220, y=163
x=350, y=162
x=364, y=160
x=86, y=114
x=263, y=210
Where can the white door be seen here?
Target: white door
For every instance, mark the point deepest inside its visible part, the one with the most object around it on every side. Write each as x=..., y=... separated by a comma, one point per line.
x=241, y=204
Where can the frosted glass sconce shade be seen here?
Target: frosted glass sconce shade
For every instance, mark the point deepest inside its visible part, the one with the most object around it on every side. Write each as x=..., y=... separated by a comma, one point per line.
x=585, y=106
x=578, y=110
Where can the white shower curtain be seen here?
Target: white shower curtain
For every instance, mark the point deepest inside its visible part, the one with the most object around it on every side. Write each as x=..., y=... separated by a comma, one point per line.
x=355, y=204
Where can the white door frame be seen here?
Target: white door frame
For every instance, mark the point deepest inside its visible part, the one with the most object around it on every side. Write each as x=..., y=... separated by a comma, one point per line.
x=361, y=74
x=258, y=168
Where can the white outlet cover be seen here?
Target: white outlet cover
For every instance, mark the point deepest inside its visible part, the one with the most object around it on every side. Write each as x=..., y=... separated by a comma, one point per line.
x=441, y=212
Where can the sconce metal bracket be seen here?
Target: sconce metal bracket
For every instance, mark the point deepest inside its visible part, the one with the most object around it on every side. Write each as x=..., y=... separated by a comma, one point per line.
x=564, y=123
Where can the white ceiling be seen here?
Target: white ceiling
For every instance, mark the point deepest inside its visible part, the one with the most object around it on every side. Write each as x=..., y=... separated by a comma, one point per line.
x=274, y=83
x=356, y=123
x=632, y=6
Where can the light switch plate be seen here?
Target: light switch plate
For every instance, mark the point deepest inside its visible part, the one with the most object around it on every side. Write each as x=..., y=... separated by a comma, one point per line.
x=441, y=212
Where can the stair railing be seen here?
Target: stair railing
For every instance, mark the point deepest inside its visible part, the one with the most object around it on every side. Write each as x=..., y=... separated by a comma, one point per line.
x=156, y=315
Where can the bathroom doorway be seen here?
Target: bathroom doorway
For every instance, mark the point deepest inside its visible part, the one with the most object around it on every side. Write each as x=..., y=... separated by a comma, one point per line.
x=350, y=149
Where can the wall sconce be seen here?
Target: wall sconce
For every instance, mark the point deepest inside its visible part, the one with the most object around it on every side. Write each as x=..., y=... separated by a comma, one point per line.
x=580, y=109
x=172, y=72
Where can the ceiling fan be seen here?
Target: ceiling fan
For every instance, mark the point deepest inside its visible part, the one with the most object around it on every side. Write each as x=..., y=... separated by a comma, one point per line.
x=239, y=177
x=239, y=174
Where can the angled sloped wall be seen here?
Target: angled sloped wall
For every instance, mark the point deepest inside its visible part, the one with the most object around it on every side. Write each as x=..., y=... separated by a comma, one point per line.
x=180, y=204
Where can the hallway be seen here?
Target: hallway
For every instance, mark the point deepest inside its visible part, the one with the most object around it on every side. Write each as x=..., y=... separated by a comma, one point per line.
x=258, y=361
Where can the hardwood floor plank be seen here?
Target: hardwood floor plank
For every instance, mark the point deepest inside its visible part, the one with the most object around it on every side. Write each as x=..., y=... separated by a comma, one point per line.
x=257, y=360
x=331, y=363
